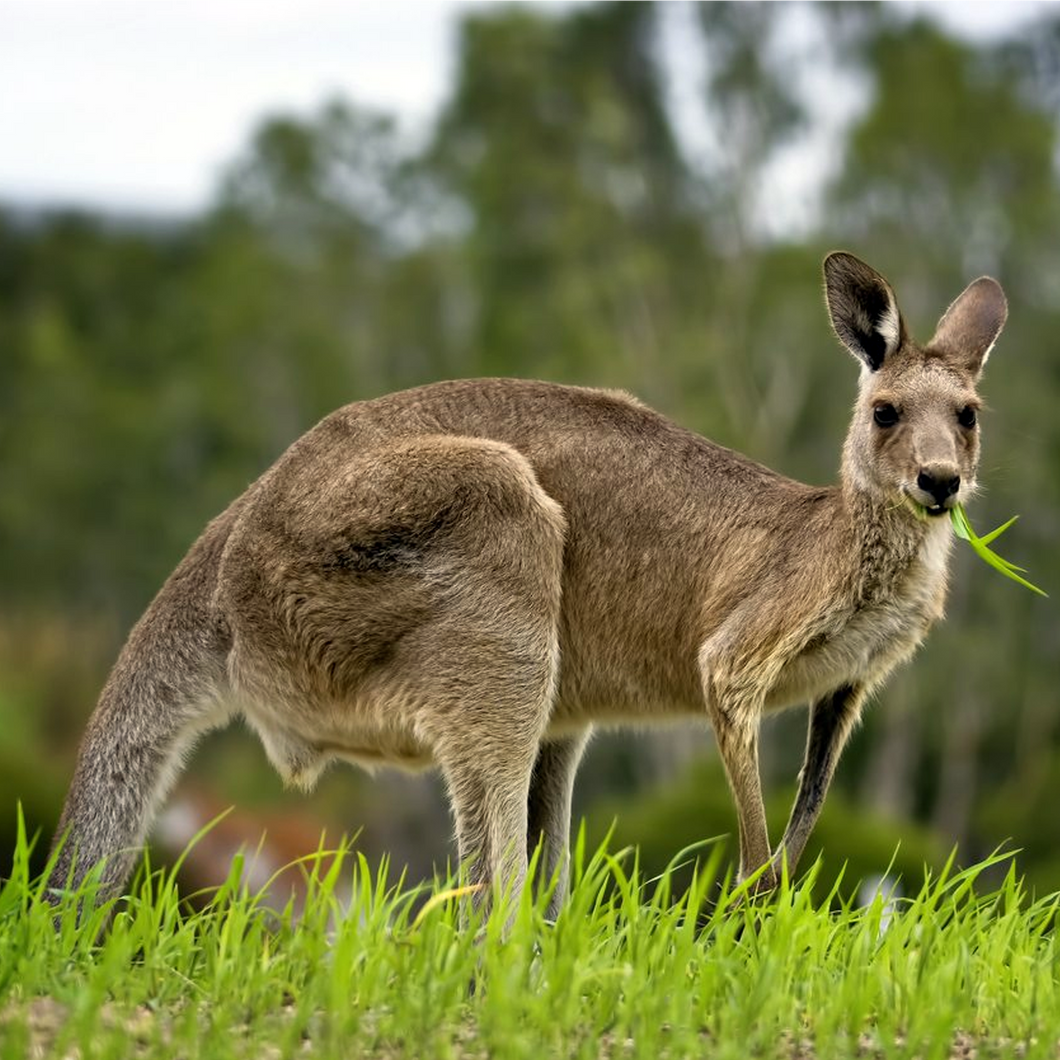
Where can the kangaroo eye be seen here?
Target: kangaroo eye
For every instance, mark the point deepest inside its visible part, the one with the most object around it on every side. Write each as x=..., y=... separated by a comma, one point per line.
x=966, y=417
x=885, y=415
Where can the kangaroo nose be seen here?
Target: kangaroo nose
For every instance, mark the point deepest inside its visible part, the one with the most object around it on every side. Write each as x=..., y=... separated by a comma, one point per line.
x=940, y=483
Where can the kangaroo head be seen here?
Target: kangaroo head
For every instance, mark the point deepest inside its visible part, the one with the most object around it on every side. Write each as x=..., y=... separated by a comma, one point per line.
x=914, y=439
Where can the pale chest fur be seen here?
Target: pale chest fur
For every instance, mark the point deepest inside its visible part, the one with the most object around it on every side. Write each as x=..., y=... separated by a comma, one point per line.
x=863, y=643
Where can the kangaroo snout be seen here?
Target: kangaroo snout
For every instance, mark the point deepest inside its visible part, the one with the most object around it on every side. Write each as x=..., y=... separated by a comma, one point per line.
x=940, y=482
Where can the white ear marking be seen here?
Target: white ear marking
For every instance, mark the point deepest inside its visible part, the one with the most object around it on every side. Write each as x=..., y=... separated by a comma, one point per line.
x=889, y=327
x=986, y=354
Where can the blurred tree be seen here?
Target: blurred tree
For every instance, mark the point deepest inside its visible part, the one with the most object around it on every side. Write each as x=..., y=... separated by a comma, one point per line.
x=754, y=111
x=360, y=240
x=948, y=146
x=583, y=251
x=761, y=318
x=84, y=433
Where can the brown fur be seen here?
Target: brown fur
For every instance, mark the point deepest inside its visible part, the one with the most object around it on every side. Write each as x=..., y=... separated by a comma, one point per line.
x=472, y=574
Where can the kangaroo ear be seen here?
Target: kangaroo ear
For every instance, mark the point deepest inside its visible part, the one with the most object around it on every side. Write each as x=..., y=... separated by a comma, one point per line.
x=970, y=327
x=863, y=309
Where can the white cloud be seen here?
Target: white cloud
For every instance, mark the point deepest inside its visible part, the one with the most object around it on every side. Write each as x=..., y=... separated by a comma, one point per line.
x=978, y=19
x=135, y=105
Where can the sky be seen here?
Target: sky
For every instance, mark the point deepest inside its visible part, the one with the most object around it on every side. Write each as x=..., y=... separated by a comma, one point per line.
x=136, y=105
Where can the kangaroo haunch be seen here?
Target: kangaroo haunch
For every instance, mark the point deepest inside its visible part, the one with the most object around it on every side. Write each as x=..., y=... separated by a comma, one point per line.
x=471, y=575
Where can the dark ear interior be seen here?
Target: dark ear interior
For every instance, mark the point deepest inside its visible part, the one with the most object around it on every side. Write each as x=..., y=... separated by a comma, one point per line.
x=863, y=309
x=970, y=327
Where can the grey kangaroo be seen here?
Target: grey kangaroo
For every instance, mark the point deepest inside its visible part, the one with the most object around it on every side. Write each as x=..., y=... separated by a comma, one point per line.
x=473, y=574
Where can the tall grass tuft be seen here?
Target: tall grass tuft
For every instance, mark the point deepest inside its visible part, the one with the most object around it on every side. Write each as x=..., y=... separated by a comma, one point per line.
x=371, y=966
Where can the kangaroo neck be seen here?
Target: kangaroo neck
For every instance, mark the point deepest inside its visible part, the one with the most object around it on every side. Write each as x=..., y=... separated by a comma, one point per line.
x=887, y=539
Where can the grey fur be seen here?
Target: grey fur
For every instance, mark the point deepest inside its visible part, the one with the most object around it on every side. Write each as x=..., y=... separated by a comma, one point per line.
x=473, y=574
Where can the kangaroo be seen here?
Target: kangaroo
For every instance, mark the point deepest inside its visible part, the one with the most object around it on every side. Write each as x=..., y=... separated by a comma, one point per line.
x=472, y=575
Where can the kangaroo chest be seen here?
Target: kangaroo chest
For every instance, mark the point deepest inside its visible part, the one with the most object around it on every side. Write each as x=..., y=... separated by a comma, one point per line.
x=864, y=643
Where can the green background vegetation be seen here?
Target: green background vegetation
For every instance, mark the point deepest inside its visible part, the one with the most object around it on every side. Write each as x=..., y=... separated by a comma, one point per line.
x=552, y=226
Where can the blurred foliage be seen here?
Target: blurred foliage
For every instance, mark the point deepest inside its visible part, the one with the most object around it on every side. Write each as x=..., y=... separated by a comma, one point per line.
x=857, y=845
x=553, y=224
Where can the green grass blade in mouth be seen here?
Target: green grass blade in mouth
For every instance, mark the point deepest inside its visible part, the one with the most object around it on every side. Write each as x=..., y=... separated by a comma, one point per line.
x=962, y=527
x=994, y=534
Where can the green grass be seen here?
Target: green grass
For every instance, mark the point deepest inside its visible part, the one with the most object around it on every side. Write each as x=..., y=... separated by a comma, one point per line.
x=962, y=527
x=629, y=969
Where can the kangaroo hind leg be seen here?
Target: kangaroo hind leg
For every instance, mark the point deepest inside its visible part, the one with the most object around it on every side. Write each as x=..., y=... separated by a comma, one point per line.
x=831, y=720
x=549, y=811
x=487, y=664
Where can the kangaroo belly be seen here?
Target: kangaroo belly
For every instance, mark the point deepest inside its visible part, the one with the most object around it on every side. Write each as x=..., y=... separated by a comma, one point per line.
x=300, y=743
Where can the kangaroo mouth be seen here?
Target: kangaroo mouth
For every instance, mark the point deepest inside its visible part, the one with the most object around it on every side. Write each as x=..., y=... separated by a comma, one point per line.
x=930, y=510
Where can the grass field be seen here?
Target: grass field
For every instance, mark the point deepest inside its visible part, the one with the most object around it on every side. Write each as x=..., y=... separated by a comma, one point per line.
x=629, y=970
